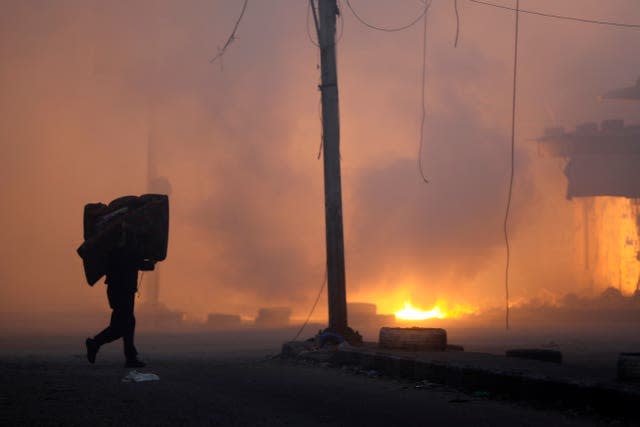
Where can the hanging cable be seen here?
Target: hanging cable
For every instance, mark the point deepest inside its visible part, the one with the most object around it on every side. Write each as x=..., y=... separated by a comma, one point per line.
x=232, y=37
x=316, y=44
x=321, y=147
x=312, y=8
x=550, y=15
x=455, y=7
x=339, y=36
x=513, y=139
x=423, y=102
x=392, y=29
x=324, y=282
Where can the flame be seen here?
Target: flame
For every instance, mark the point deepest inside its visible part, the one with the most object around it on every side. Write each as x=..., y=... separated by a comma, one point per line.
x=409, y=312
x=439, y=311
x=610, y=242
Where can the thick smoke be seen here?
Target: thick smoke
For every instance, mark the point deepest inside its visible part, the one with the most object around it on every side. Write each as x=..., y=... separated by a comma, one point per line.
x=85, y=83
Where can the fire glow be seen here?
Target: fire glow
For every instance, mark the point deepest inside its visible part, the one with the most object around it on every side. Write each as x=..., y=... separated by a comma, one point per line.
x=411, y=313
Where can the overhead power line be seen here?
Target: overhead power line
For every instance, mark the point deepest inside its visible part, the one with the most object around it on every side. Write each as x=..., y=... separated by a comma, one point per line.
x=513, y=146
x=455, y=8
x=422, y=89
x=315, y=20
x=232, y=36
x=554, y=16
x=389, y=29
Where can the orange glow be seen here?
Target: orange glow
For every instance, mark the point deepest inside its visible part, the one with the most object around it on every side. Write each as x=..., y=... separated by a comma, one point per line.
x=247, y=218
x=409, y=312
x=440, y=310
x=608, y=242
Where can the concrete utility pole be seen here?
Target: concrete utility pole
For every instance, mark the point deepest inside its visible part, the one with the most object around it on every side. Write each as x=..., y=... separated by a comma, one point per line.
x=328, y=10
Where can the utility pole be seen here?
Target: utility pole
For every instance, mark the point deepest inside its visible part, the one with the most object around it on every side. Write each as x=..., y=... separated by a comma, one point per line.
x=328, y=10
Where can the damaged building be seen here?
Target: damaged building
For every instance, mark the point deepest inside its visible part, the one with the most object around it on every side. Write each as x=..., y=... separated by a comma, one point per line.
x=602, y=168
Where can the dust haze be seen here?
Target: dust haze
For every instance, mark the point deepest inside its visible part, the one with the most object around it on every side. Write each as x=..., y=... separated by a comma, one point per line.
x=83, y=83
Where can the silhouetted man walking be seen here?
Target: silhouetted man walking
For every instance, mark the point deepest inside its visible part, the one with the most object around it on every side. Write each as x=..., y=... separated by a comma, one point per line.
x=122, y=284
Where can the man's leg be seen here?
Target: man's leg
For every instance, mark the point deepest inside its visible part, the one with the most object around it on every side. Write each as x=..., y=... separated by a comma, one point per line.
x=111, y=332
x=108, y=334
x=128, y=327
x=118, y=304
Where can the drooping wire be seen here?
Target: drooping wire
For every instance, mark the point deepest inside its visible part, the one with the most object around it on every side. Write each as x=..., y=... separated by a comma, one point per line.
x=513, y=139
x=321, y=147
x=564, y=17
x=455, y=7
x=306, y=322
x=232, y=36
x=309, y=7
x=424, y=107
x=339, y=36
x=312, y=8
x=392, y=29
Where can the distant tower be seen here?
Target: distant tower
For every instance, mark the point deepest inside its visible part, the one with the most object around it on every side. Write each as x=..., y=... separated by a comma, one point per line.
x=158, y=185
x=155, y=183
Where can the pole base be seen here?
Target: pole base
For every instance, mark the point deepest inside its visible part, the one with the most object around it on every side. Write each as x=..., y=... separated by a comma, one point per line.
x=349, y=335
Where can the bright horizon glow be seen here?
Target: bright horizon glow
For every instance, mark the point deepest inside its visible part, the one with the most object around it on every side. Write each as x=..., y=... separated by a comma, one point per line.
x=410, y=312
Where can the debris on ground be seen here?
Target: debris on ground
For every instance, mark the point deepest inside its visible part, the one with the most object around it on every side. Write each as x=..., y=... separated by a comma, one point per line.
x=424, y=384
x=138, y=377
x=481, y=394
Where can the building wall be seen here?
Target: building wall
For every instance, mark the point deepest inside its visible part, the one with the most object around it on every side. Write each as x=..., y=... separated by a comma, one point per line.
x=607, y=243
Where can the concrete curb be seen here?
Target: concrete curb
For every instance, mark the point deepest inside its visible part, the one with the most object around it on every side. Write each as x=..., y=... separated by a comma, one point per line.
x=501, y=377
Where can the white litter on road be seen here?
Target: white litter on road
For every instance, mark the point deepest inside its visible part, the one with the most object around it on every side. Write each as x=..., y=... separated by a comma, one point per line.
x=138, y=377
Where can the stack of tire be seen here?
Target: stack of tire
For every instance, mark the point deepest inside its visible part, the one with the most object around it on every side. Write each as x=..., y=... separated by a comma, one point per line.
x=139, y=222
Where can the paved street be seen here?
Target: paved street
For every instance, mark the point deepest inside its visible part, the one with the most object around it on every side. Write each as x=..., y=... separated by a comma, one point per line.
x=224, y=387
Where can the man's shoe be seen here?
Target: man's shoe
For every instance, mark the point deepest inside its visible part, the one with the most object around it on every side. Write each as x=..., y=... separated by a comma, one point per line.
x=92, y=349
x=135, y=363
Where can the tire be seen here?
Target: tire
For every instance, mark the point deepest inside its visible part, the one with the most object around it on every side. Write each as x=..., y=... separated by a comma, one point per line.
x=414, y=339
x=629, y=367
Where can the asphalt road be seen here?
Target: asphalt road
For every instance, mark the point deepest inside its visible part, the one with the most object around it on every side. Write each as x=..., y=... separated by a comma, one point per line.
x=225, y=387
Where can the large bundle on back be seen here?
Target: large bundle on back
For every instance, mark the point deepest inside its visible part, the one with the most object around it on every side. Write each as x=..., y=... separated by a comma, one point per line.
x=139, y=225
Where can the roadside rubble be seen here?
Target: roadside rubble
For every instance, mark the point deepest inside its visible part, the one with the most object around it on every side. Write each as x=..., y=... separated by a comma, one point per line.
x=480, y=375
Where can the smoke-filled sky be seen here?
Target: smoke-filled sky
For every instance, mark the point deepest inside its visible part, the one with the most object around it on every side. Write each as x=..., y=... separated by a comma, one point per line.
x=81, y=82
